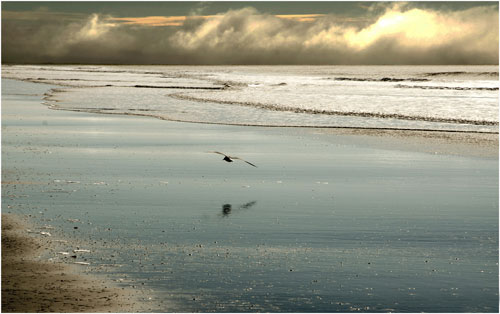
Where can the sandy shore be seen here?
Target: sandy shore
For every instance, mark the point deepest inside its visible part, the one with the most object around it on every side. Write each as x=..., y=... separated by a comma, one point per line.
x=31, y=285
x=435, y=142
x=149, y=201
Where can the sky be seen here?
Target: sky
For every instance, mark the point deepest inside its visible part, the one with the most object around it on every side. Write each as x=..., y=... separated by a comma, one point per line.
x=260, y=32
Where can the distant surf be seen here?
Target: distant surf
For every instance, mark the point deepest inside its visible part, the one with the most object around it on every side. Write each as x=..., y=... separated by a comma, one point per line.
x=449, y=98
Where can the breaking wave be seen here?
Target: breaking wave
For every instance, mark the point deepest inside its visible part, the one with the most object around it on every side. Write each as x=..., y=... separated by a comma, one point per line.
x=384, y=79
x=312, y=96
x=337, y=113
x=447, y=87
x=182, y=87
x=462, y=73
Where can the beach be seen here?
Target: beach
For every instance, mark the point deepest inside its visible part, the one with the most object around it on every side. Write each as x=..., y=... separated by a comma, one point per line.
x=333, y=220
x=31, y=285
x=235, y=157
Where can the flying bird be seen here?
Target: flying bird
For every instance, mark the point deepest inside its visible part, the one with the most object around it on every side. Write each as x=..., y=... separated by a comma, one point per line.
x=230, y=158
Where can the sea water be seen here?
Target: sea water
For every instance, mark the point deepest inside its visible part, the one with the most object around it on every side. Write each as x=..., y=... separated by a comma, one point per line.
x=311, y=230
x=454, y=98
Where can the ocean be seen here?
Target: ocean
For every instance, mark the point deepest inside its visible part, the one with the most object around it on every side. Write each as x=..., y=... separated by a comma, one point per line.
x=325, y=223
x=452, y=98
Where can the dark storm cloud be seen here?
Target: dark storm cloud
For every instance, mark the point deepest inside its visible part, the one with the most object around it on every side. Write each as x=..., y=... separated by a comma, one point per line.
x=387, y=33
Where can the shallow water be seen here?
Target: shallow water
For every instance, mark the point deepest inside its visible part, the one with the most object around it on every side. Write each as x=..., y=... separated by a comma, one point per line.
x=319, y=226
x=458, y=98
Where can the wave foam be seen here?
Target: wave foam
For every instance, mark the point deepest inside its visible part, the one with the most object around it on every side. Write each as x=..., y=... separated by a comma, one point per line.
x=384, y=79
x=335, y=112
x=447, y=87
x=462, y=73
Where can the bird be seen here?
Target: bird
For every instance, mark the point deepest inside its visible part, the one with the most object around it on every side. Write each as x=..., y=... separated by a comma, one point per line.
x=230, y=158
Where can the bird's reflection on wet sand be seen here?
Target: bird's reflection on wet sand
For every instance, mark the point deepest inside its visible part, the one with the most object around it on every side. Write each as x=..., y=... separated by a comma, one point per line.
x=228, y=208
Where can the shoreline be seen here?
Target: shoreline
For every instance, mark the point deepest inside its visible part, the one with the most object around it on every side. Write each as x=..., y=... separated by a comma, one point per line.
x=469, y=144
x=50, y=100
x=107, y=171
x=465, y=143
x=455, y=142
x=33, y=285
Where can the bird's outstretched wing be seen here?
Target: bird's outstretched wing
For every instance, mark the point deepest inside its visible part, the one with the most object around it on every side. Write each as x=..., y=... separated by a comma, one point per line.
x=220, y=154
x=243, y=160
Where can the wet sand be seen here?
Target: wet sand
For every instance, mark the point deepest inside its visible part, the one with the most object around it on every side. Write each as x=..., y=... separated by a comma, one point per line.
x=59, y=165
x=32, y=285
x=435, y=142
x=34, y=277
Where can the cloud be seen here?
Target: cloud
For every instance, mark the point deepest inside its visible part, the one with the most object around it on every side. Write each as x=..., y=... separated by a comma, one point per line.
x=179, y=20
x=389, y=34
x=152, y=20
x=412, y=36
x=94, y=28
x=301, y=17
x=426, y=29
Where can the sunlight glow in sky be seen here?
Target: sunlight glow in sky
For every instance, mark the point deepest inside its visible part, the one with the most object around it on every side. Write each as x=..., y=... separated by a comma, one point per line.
x=367, y=33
